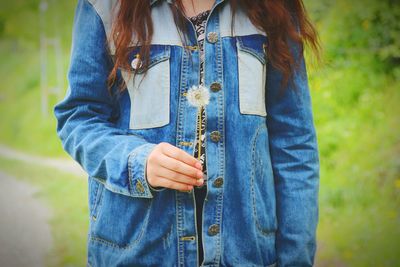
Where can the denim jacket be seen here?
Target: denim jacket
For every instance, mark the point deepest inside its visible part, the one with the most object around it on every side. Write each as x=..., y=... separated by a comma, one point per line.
x=261, y=207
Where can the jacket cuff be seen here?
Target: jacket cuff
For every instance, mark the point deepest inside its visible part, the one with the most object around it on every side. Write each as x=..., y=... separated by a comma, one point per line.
x=137, y=161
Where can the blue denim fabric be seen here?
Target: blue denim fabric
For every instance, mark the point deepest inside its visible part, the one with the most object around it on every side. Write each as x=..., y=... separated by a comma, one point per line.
x=266, y=211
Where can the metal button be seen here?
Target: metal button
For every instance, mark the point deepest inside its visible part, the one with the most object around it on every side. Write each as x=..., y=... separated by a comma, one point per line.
x=213, y=229
x=192, y=47
x=188, y=238
x=215, y=136
x=136, y=63
x=265, y=49
x=184, y=143
x=215, y=87
x=218, y=182
x=185, y=191
x=212, y=37
x=139, y=187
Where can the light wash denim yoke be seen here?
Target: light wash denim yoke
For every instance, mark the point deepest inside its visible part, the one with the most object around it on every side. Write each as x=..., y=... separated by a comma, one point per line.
x=261, y=148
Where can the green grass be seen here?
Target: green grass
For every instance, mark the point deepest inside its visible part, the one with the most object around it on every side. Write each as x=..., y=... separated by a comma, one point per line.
x=22, y=124
x=67, y=197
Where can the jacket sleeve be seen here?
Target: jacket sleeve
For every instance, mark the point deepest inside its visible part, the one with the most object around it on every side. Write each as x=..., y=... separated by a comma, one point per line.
x=295, y=162
x=85, y=115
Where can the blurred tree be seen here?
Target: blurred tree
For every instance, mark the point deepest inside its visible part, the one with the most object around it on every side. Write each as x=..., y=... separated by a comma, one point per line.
x=357, y=28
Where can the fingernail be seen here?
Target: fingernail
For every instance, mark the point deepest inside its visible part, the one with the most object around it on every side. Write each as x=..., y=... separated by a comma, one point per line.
x=200, y=182
x=200, y=174
x=199, y=166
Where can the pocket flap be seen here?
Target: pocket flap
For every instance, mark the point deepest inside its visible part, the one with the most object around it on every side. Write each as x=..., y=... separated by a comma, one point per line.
x=158, y=53
x=254, y=45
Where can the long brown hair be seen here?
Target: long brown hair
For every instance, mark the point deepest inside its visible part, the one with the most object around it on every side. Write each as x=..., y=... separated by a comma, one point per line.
x=281, y=20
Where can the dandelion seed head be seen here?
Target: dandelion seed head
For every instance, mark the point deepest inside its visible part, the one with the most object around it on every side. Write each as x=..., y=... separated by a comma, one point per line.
x=198, y=96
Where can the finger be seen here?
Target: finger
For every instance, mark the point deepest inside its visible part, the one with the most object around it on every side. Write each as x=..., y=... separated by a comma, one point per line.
x=178, y=177
x=181, y=155
x=165, y=182
x=179, y=166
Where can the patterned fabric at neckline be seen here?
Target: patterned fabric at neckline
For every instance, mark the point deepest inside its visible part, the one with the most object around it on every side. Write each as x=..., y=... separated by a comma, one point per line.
x=199, y=17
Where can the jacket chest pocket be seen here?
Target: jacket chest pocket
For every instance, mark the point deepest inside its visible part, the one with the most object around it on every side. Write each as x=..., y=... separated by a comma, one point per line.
x=149, y=91
x=252, y=71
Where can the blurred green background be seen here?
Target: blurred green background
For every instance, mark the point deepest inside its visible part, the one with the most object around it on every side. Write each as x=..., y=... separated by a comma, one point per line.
x=356, y=104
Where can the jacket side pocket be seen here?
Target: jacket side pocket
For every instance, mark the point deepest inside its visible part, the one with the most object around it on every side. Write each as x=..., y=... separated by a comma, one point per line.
x=121, y=220
x=262, y=185
x=95, y=195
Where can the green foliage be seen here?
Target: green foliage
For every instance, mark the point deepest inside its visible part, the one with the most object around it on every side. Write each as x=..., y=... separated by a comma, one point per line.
x=353, y=29
x=22, y=124
x=22, y=21
x=355, y=99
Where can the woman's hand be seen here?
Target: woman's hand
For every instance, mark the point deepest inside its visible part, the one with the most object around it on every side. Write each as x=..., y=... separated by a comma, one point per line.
x=172, y=167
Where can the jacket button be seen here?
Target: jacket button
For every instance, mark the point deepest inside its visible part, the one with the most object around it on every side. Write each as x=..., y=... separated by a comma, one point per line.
x=215, y=136
x=215, y=87
x=212, y=37
x=265, y=49
x=136, y=63
x=213, y=229
x=218, y=182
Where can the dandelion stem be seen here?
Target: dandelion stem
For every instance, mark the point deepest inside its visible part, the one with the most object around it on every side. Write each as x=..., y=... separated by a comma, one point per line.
x=199, y=131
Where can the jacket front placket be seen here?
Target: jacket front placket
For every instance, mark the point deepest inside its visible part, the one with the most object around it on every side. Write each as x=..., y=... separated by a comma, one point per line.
x=185, y=140
x=215, y=141
x=215, y=145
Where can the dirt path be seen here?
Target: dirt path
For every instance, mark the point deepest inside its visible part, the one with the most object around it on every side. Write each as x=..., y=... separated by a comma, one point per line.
x=65, y=165
x=25, y=235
